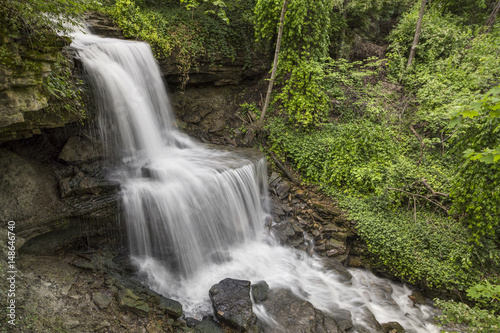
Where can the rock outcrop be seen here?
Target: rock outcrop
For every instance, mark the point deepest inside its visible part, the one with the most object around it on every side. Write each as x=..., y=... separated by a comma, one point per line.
x=233, y=306
x=59, y=192
x=24, y=100
x=296, y=315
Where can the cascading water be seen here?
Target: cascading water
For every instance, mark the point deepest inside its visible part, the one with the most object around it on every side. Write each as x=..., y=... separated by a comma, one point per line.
x=195, y=215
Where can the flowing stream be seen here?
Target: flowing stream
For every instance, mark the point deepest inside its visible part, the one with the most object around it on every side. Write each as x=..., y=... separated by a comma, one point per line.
x=195, y=214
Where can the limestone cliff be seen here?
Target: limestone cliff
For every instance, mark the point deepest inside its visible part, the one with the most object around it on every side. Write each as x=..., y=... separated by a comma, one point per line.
x=26, y=68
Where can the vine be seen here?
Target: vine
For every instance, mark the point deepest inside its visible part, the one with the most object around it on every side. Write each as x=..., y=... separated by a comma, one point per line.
x=304, y=48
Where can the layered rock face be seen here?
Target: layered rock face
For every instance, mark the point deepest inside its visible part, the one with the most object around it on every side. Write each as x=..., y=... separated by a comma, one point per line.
x=56, y=187
x=23, y=99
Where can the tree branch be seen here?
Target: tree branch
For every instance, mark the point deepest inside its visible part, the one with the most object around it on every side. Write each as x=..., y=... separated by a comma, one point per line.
x=283, y=168
x=422, y=144
x=275, y=65
x=424, y=181
x=420, y=196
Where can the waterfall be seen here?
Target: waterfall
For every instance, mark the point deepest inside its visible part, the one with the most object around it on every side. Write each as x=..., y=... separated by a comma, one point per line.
x=195, y=214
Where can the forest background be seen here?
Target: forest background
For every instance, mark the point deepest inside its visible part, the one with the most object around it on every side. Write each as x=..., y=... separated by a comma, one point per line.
x=392, y=107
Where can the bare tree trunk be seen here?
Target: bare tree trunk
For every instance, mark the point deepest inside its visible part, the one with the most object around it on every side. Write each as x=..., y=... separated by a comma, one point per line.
x=491, y=19
x=275, y=65
x=417, y=34
x=344, y=30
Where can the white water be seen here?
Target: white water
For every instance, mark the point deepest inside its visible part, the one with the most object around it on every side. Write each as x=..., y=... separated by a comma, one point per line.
x=195, y=215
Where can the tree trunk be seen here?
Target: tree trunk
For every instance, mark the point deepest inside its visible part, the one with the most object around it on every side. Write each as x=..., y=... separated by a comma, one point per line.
x=341, y=53
x=491, y=19
x=275, y=64
x=417, y=34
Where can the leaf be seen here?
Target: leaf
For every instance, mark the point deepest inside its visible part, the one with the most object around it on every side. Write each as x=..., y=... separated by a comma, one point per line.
x=488, y=159
x=467, y=153
x=470, y=113
x=455, y=121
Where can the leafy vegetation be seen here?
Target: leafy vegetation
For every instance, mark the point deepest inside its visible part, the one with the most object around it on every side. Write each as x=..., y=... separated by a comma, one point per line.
x=199, y=33
x=413, y=155
x=304, y=47
x=31, y=32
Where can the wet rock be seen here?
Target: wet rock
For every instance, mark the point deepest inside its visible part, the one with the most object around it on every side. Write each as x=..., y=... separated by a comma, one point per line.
x=102, y=326
x=279, y=211
x=102, y=299
x=343, y=318
x=260, y=291
x=324, y=210
x=249, y=137
x=330, y=228
x=340, y=236
x=368, y=323
x=282, y=189
x=126, y=263
x=274, y=179
x=83, y=263
x=171, y=307
x=23, y=98
x=354, y=261
x=102, y=25
x=335, y=247
x=232, y=304
x=296, y=315
x=336, y=266
x=357, y=249
x=417, y=298
x=81, y=185
x=300, y=194
x=203, y=326
x=288, y=233
x=30, y=195
x=194, y=118
x=393, y=327
x=78, y=150
x=127, y=300
x=72, y=323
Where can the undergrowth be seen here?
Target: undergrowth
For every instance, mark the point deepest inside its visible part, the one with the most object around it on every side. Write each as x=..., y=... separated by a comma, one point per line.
x=188, y=37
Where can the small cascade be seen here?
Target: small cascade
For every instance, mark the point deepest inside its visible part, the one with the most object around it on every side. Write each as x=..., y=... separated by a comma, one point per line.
x=195, y=214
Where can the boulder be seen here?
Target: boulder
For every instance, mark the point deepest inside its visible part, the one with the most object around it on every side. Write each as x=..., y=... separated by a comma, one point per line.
x=260, y=291
x=232, y=304
x=203, y=326
x=79, y=149
x=393, y=327
x=296, y=315
x=171, y=307
x=127, y=300
x=102, y=299
x=337, y=267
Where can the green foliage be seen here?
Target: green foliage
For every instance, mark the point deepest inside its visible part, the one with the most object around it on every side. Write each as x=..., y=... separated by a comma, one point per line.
x=476, y=319
x=303, y=96
x=476, y=186
x=64, y=89
x=425, y=249
x=187, y=36
x=485, y=292
x=303, y=49
x=352, y=156
x=453, y=64
x=357, y=91
x=483, y=133
x=357, y=162
x=39, y=17
x=30, y=32
x=470, y=11
x=216, y=7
